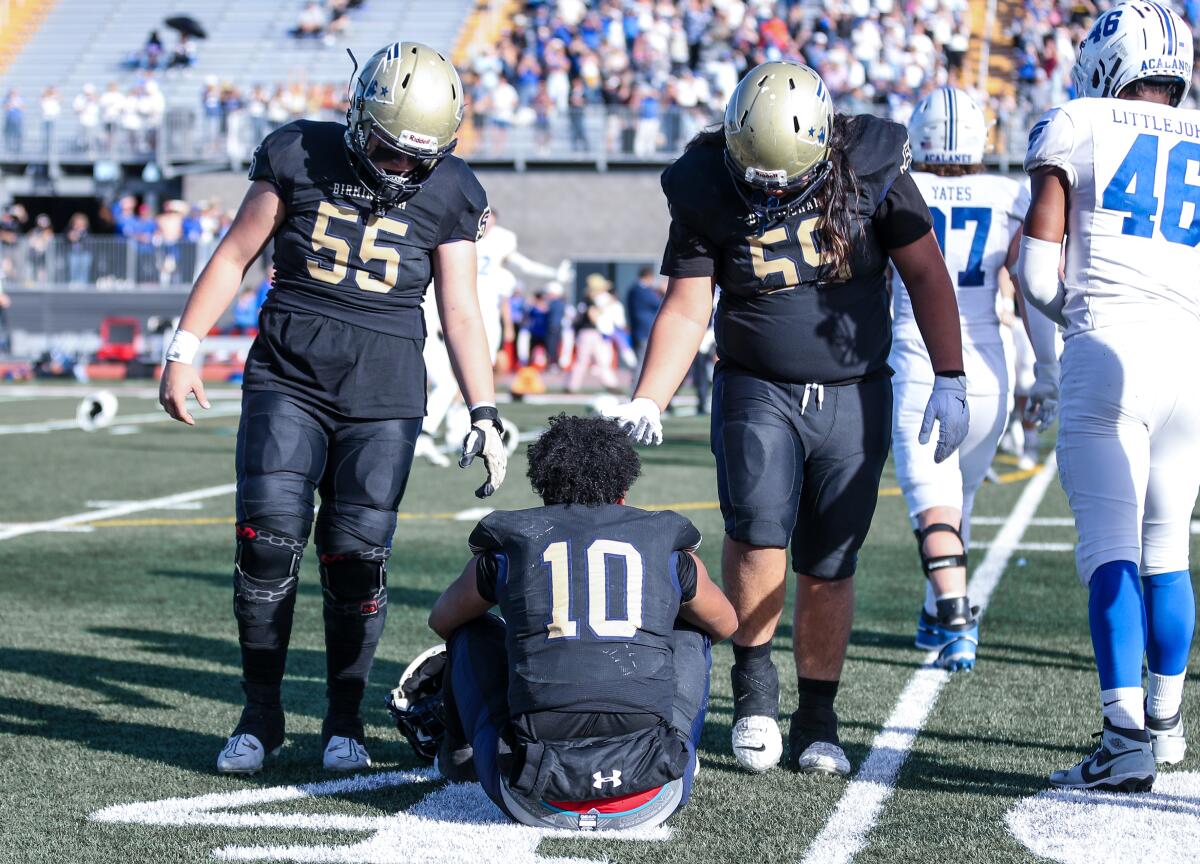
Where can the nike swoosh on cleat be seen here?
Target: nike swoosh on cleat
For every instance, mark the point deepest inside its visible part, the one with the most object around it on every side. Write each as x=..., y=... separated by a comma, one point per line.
x=759, y=748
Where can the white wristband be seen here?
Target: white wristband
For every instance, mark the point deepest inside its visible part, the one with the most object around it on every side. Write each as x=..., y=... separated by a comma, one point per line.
x=183, y=347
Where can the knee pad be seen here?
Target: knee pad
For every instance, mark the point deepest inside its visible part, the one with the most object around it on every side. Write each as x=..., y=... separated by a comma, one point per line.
x=265, y=575
x=933, y=563
x=354, y=585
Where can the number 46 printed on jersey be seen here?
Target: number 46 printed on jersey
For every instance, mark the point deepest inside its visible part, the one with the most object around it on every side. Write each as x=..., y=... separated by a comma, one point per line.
x=1131, y=191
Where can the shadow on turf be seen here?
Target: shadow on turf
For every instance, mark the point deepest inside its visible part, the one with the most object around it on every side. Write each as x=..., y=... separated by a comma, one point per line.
x=403, y=595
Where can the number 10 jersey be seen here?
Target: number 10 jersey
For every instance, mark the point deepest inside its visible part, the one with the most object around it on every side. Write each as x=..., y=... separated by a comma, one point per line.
x=589, y=597
x=1134, y=221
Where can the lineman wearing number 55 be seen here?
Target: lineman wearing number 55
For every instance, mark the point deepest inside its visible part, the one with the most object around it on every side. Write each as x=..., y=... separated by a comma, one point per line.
x=362, y=216
x=796, y=213
x=1114, y=173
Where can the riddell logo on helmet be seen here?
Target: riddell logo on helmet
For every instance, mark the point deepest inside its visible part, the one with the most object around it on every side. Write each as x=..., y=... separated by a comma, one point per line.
x=416, y=139
x=777, y=177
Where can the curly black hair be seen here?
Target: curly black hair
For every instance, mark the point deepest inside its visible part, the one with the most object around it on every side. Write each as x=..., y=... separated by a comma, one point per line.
x=582, y=460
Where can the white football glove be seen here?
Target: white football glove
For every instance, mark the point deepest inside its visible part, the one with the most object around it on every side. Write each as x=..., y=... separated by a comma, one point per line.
x=485, y=438
x=641, y=419
x=1042, y=407
x=948, y=405
x=565, y=273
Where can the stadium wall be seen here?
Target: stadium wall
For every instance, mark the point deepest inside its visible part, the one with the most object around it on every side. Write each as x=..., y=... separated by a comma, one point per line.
x=585, y=215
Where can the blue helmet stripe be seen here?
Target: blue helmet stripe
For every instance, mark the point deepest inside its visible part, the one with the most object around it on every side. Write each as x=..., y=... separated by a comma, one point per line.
x=1165, y=21
x=953, y=124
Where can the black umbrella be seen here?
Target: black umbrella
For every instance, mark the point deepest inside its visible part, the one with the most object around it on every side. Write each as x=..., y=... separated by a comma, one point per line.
x=187, y=25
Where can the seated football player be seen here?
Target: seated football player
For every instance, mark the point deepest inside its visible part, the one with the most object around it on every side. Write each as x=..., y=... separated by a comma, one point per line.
x=582, y=706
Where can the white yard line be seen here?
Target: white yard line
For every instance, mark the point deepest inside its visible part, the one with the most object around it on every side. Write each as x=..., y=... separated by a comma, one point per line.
x=121, y=420
x=7, y=532
x=1029, y=547
x=845, y=834
x=1039, y=522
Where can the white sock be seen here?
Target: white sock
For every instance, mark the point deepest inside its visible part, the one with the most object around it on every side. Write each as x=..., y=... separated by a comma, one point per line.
x=1122, y=707
x=930, y=599
x=1165, y=694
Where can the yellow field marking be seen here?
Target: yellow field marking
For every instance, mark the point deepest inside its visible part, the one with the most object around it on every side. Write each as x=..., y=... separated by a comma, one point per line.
x=170, y=522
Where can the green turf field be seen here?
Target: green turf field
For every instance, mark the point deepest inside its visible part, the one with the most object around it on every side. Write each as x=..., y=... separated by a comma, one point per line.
x=119, y=682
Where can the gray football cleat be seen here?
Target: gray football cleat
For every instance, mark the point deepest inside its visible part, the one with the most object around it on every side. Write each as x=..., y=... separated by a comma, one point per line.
x=1124, y=762
x=1167, y=740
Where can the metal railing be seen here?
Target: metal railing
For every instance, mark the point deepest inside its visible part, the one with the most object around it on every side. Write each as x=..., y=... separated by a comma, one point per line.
x=593, y=135
x=102, y=264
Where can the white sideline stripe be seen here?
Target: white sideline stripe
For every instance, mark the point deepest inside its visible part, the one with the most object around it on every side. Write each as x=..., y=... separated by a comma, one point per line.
x=78, y=391
x=1029, y=547
x=120, y=419
x=845, y=834
x=1039, y=522
x=7, y=532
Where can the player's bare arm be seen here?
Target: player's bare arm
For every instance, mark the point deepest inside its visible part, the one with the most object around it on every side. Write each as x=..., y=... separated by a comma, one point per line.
x=923, y=270
x=460, y=602
x=257, y=220
x=454, y=268
x=710, y=609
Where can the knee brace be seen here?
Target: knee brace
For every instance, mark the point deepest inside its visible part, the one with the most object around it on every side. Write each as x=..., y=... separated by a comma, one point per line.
x=265, y=574
x=932, y=563
x=355, y=583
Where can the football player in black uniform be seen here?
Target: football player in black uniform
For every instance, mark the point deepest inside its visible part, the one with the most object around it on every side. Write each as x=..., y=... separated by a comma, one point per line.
x=795, y=213
x=583, y=707
x=362, y=215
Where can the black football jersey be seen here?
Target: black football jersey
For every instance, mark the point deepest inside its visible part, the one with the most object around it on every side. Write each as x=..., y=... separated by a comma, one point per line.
x=589, y=596
x=781, y=314
x=342, y=327
x=333, y=255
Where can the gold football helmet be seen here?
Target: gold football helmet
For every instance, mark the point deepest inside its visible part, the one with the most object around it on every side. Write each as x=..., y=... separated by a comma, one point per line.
x=406, y=100
x=777, y=129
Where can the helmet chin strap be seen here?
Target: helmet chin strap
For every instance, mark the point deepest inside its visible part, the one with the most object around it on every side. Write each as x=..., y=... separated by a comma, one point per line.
x=764, y=213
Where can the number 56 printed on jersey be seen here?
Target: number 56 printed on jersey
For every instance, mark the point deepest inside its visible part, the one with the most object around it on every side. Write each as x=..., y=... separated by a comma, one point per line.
x=1131, y=191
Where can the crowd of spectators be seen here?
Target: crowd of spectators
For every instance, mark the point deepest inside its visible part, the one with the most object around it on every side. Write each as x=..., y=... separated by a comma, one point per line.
x=665, y=69
x=133, y=241
x=326, y=21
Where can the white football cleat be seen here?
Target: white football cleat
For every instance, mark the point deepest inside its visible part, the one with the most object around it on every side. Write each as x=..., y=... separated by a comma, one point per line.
x=823, y=757
x=1167, y=740
x=345, y=754
x=242, y=754
x=757, y=744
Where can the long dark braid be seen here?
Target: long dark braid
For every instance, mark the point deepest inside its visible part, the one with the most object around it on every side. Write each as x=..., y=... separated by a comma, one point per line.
x=837, y=201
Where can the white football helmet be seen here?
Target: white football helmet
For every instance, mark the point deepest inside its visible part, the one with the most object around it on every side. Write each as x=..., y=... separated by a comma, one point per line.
x=1132, y=41
x=948, y=128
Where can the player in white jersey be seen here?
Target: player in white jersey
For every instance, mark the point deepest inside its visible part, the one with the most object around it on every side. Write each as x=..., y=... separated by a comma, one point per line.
x=1117, y=175
x=977, y=219
x=496, y=251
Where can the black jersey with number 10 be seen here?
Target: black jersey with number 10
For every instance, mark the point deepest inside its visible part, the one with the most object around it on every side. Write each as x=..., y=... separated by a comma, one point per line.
x=589, y=597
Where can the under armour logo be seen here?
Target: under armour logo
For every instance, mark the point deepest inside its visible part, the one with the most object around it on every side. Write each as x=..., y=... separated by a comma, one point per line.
x=598, y=779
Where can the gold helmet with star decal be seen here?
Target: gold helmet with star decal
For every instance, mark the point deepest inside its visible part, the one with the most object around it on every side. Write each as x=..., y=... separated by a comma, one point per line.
x=406, y=100
x=777, y=128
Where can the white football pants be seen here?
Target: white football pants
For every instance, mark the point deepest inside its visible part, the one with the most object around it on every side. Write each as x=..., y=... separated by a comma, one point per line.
x=1129, y=443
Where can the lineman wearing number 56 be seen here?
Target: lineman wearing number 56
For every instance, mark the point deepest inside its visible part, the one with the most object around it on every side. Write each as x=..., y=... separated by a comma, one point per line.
x=362, y=216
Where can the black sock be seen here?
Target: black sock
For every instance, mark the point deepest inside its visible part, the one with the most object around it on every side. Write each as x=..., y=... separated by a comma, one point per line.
x=750, y=656
x=755, y=682
x=814, y=718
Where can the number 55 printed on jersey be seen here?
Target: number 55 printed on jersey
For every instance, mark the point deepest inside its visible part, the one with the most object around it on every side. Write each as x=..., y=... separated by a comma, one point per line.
x=624, y=625
x=368, y=251
x=1131, y=191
